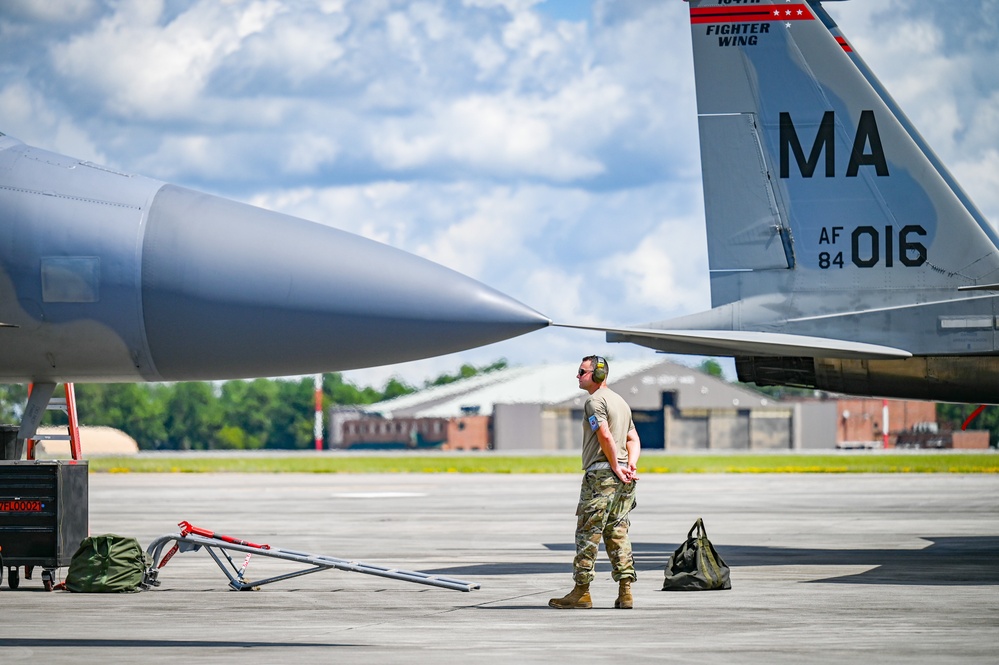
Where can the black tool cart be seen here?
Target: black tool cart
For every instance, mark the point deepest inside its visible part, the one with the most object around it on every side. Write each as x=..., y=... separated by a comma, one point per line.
x=43, y=516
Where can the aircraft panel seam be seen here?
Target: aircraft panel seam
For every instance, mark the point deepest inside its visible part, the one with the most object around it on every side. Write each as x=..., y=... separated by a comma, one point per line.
x=106, y=169
x=22, y=190
x=836, y=315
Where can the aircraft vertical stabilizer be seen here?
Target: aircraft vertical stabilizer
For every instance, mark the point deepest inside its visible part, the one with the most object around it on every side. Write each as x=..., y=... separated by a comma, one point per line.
x=829, y=219
x=810, y=167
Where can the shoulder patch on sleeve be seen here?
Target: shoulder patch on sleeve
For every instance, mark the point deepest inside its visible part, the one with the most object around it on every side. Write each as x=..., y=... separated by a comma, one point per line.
x=594, y=425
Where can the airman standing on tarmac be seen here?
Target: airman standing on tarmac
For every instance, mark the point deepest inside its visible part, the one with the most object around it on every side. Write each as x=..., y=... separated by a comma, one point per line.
x=611, y=449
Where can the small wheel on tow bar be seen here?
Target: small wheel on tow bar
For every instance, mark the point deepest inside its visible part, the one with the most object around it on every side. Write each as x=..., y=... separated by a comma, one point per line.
x=13, y=577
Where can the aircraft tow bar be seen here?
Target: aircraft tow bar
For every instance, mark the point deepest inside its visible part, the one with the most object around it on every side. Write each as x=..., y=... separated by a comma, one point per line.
x=192, y=538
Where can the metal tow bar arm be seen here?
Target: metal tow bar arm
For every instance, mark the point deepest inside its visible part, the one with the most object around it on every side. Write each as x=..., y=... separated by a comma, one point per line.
x=192, y=538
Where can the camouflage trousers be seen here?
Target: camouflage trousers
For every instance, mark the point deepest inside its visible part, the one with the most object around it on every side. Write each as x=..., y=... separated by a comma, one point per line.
x=604, y=505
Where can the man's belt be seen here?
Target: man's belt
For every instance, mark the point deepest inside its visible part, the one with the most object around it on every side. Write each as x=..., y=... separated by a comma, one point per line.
x=599, y=466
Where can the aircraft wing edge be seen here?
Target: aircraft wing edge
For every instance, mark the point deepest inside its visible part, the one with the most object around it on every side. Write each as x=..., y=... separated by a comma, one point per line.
x=747, y=343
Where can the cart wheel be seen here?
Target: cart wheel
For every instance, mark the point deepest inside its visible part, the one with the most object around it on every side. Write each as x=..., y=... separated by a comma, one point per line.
x=47, y=577
x=13, y=577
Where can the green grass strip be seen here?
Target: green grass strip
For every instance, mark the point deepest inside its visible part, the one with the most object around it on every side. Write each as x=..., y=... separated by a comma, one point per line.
x=874, y=462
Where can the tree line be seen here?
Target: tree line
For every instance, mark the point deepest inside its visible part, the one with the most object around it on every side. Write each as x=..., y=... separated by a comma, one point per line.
x=230, y=415
x=279, y=413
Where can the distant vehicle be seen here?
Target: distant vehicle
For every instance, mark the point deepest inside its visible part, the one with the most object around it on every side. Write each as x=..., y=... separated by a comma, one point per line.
x=925, y=440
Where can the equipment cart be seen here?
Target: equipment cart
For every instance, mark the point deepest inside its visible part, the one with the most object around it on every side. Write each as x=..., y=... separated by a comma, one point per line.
x=43, y=516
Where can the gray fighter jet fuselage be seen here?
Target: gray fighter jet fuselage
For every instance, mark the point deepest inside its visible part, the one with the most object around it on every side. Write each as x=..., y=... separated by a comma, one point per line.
x=112, y=277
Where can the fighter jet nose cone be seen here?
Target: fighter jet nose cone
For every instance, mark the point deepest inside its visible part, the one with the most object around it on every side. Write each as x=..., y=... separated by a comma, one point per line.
x=230, y=291
x=471, y=302
x=503, y=310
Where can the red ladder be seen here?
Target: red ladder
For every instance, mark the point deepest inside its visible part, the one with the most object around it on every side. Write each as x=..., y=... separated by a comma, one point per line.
x=67, y=406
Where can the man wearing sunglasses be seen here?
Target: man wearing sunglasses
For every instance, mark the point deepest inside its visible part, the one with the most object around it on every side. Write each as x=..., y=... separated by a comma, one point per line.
x=611, y=449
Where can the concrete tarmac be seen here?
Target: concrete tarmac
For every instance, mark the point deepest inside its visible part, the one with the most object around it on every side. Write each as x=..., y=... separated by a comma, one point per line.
x=825, y=568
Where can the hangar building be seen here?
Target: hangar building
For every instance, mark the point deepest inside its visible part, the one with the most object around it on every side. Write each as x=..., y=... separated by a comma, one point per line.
x=540, y=408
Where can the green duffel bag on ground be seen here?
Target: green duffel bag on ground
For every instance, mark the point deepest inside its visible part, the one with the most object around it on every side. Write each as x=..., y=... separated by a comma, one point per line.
x=695, y=565
x=108, y=564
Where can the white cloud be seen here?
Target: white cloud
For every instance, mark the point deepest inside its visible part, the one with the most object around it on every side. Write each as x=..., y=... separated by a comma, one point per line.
x=505, y=135
x=560, y=293
x=289, y=48
x=306, y=153
x=489, y=57
x=51, y=11
x=665, y=273
x=980, y=179
x=22, y=106
x=149, y=68
x=382, y=211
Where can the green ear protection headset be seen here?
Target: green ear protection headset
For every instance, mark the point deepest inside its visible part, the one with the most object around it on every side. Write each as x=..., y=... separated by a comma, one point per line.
x=599, y=370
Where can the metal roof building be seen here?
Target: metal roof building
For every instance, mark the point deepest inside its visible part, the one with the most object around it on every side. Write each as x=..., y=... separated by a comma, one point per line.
x=540, y=407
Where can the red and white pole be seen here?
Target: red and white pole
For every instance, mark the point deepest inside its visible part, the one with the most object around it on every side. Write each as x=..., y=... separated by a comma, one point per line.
x=884, y=423
x=318, y=429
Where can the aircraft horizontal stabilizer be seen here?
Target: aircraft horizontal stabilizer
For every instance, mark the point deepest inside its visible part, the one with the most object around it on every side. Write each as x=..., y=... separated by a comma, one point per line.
x=745, y=343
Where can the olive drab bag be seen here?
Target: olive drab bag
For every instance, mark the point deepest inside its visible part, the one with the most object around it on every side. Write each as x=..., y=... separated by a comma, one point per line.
x=695, y=565
x=108, y=564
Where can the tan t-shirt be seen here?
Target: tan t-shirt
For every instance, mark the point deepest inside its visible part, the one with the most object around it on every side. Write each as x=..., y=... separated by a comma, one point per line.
x=607, y=406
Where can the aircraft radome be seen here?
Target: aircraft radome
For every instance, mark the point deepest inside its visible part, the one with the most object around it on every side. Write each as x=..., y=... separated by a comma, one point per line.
x=843, y=256
x=113, y=277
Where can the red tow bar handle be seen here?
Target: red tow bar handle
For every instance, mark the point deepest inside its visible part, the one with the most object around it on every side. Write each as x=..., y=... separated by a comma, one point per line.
x=187, y=528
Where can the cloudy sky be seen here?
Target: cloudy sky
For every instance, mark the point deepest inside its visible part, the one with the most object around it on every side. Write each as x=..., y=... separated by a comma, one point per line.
x=545, y=147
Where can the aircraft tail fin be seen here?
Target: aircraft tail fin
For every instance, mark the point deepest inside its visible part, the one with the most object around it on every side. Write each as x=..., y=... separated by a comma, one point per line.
x=813, y=177
x=828, y=216
x=842, y=254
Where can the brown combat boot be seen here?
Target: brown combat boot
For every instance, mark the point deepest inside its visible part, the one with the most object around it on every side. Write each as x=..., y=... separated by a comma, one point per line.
x=624, y=600
x=577, y=599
